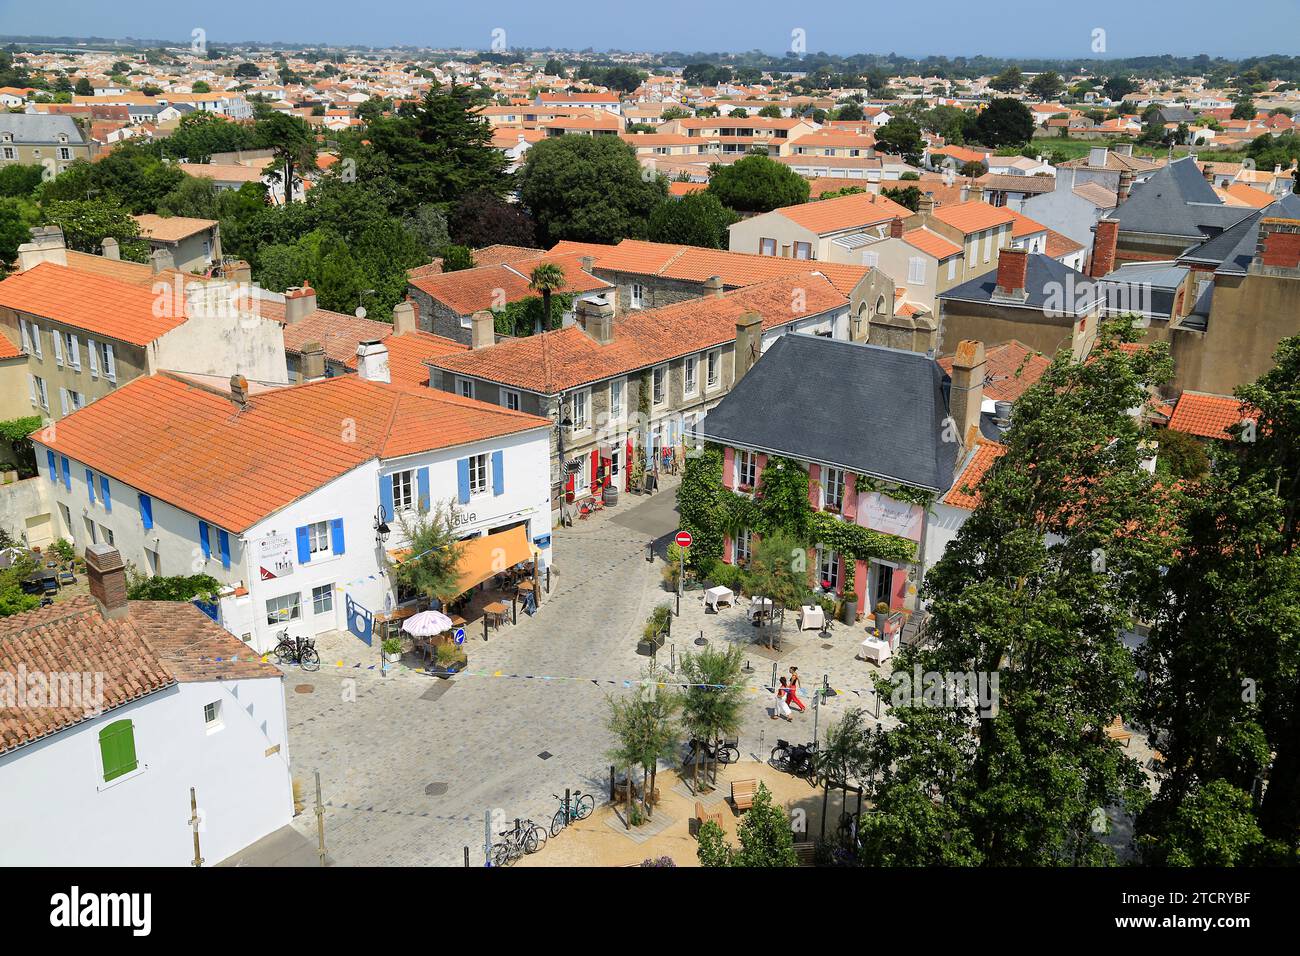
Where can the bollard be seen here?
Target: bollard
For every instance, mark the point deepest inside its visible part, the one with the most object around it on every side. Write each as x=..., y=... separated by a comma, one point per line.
x=467, y=857
x=566, y=806
x=672, y=658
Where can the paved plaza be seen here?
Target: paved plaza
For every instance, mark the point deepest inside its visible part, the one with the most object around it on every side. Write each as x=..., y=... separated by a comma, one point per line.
x=409, y=763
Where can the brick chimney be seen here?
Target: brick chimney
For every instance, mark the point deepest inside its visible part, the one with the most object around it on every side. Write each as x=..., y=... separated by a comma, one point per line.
x=596, y=318
x=162, y=261
x=405, y=317
x=713, y=286
x=1105, y=239
x=110, y=247
x=1013, y=265
x=966, y=394
x=372, y=361
x=46, y=246
x=749, y=342
x=896, y=228
x=312, y=362
x=237, y=270
x=925, y=205
x=1125, y=185
x=107, y=577
x=1278, y=244
x=299, y=302
x=482, y=330
x=239, y=390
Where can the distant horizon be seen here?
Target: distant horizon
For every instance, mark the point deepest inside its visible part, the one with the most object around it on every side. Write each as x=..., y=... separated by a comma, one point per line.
x=1009, y=29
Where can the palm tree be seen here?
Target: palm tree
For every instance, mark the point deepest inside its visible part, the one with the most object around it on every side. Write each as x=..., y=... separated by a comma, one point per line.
x=713, y=700
x=546, y=278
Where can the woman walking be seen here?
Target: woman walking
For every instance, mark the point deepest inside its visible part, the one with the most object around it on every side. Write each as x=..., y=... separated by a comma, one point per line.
x=793, y=694
x=781, y=709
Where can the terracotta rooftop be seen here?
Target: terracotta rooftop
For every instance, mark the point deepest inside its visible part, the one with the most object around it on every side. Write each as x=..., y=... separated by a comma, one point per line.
x=192, y=447
x=844, y=212
x=964, y=492
x=972, y=216
x=409, y=352
x=171, y=228
x=1206, y=415
x=931, y=243
x=486, y=287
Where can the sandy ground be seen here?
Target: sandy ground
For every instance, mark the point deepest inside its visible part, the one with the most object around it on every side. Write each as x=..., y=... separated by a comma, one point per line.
x=593, y=842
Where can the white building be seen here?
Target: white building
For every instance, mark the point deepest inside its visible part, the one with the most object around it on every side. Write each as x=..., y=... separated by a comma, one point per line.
x=276, y=492
x=139, y=702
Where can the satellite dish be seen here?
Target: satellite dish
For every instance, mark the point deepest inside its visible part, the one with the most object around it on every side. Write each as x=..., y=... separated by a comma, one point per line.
x=361, y=312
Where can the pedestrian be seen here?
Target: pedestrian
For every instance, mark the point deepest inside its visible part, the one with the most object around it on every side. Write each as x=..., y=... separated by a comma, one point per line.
x=793, y=694
x=781, y=709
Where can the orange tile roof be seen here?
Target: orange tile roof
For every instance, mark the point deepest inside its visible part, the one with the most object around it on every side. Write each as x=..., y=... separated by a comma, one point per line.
x=222, y=172
x=844, y=212
x=337, y=332
x=566, y=358
x=972, y=216
x=1023, y=226
x=190, y=446
x=500, y=253
x=1207, y=415
x=682, y=189
x=171, y=228
x=1240, y=194
x=931, y=243
x=408, y=352
x=8, y=349
x=1009, y=369
x=1059, y=244
x=102, y=306
x=485, y=287
x=964, y=492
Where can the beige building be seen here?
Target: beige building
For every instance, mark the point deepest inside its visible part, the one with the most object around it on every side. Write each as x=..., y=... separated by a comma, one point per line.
x=828, y=230
x=193, y=244
x=37, y=139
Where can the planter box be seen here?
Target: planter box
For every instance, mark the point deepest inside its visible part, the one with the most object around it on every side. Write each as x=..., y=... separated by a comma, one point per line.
x=450, y=670
x=646, y=647
x=393, y=658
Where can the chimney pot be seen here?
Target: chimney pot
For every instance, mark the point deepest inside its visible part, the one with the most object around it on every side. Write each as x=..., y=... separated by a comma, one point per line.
x=596, y=316
x=1104, y=242
x=46, y=246
x=1013, y=265
x=713, y=286
x=106, y=575
x=966, y=394
x=482, y=330
x=372, y=361
x=588, y=263
x=312, y=361
x=162, y=261
x=299, y=302
x=749, y=343
x=896, y=228
x=239, y=390
x=404, y=317
x=110, y=247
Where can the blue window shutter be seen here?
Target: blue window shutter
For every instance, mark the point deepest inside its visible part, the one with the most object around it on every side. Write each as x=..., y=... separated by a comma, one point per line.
x=225, y=549
x=498, y=473
x=462, y=479
x=336, y=535
x=67, y=472
x=304, y=546
x=386, y=496
x=204, y=541
x=422, y=488
x=90, y=485
x=146, y=511
x=54, y=467
x=103, y=493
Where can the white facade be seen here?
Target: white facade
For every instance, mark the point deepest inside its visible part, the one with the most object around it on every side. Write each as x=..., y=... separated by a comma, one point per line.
x=238, y=767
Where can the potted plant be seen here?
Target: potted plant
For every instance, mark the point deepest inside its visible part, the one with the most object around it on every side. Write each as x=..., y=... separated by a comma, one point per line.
x=849, y=613
x=881, y=615
x=392, y=650
x=655, y=630
x=450, y=659
x=638, y=476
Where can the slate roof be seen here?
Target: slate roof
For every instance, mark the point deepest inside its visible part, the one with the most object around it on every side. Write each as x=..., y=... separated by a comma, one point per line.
x=1043, y=277
x=1234, y=248
x=41, y=128
x=1177, y=201
x=872, y=410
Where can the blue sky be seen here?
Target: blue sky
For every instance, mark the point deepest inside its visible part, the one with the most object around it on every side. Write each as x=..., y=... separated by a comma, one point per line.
x=944, y=27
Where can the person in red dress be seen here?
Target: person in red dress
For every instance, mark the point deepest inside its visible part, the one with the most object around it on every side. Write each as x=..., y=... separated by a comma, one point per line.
x=792, y=694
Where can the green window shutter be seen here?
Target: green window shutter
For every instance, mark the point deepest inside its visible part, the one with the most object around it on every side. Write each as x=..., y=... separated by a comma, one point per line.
x=117, y=748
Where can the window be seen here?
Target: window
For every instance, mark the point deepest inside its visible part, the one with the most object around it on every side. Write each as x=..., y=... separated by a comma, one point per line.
x=11, y=153
x=746, y=462
x=833, y=489
x=466, y=387
x=767, y=247
x=42, y=395
x=743, y=541
x=884, y=577
x=659, y=387
x=916, y=269
x=403, y=490
x=76, y=399
x=322, y=599
x=478, y=474
x=36, y=341
x=638, y=295
x=988, y=245
x=212, y=716
x=581, y=404
x=73, y=351
x=117, y=749
x=690, y=375
x=510, y=399
x=283, y=609
x=713, y=369
x=65, y=152
x=108, y=535
x=871, y=259
x=803, y=250
x=106, y=361
x=828, y=569
x=952, y=269
x=616, y=390
x=318, y=537
x=153, y=561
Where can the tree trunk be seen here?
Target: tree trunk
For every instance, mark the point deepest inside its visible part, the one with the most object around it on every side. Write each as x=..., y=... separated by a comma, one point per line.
x=545, y=322
x=1279, y=814
x=654, y=769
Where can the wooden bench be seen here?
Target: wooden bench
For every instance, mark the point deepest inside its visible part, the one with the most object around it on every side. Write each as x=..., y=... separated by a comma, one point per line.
x=742, y=793
x=805, y=853
x=703, y=815
x=1117, y=732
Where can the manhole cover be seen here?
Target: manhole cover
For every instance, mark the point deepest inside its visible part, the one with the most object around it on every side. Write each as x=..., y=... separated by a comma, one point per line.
x=545, y=755
x=304, y=688
x=435, y=790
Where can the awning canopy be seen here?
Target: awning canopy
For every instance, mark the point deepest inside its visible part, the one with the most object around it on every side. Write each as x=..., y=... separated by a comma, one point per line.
x=485, y=556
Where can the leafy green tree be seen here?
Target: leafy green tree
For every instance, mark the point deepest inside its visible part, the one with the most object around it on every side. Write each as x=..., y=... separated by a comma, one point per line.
x=19, y=181
x=199, y=86
x=482, y=219
x=87, y=222
x=200, y=134
x=1118, y=86
x=546, y=278
x=644, y=727
x=554, y=67
x=1006, y=122
x=433, y=566
x=294, y=144
x=713, y=700
x=1046, y=86
x=588, y=188
x=14, y=231
x=757, y=184
x=428, y=226
x=850, y=111
x=143, y=587
x=247, y=71
x=1214, y=825
x=764, y=834
x=909, y=196
x=696, y=219
x=1008, y=81
x=455, y=258
x=284, y=266
x=1181, y=455
x=13, y=600
x=770, y=112
x=713, y=849
x=1243, y=108
x=901, y=137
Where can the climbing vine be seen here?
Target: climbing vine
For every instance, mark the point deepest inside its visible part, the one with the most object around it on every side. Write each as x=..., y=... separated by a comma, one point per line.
x=904, y=493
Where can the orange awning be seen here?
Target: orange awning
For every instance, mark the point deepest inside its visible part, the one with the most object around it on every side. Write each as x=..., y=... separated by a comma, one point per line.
x=485, y=556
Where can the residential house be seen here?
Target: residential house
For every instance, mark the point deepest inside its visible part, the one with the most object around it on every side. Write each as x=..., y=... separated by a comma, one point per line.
x=827, y=230
x=34, y=139
x=194, y=244
x=1071, y=208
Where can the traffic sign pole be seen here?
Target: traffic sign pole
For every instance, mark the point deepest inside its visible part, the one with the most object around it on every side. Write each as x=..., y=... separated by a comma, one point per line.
x=683, y=541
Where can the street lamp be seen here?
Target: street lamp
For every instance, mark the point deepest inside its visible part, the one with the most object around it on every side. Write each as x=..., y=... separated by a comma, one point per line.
x=382, y=530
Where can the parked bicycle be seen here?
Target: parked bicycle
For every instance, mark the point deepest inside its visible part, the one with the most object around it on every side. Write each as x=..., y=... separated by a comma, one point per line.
x=727, y=751
x=580, y=807
x=524, y=837
x=297, y=650
x=799, y=760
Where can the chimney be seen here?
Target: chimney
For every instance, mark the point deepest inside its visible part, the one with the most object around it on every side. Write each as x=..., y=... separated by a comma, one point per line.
x=896, y=228
x=162, y=260
x=965, y=192
x=404, y=318
x=372, y=361
x=107, y=577
x=1208, y=173
x=1124, y=149
x=111, y=250
x=588, y=263
x=1097, y=157
x=239, y=390
x=749, y=343
x=713, y=286
x=299, y=302
x=46, y=246
x=482, y=330
x=1105, y=239
x=1278, y=244
x=312, y=362
x=966, y=394
x=237, y=271
x=1013, y=264
x=925, y=205
x=596, y=316
x=1125, y=185
x=976, y=192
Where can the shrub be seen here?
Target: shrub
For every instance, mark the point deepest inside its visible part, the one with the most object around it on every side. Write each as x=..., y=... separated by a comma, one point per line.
x=63, y=549
x=723, y=575
x=179, y=588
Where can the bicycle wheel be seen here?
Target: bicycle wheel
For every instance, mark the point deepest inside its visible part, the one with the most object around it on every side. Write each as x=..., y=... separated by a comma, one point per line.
x=728, y=755
x=310, y=660
x=284, y=653
x=779, y=759
x=583, y=807
x=558, y=822
x=500, y=854
x=534, y=838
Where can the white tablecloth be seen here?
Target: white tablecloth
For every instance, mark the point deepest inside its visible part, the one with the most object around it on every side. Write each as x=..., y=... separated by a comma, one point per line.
x=713, y=595
x=874, y=649
x=811, y=618
x=757, y=604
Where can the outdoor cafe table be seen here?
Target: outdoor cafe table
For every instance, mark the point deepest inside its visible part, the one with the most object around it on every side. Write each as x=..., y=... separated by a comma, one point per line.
x=759, y=607
x=811, y=618
x=875, y=649
x=713, y=596
x=496, y=612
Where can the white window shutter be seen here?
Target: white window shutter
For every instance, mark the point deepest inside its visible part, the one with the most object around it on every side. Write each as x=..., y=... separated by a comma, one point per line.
x=75, y=358
x=63, y=399
x=58, y=347
x=36, y=339
x=94, y=358
x=110, y=366
x=27, y=337
x=31, y=382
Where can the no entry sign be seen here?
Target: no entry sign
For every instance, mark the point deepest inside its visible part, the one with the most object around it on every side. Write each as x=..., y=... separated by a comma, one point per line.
x=683, y=539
